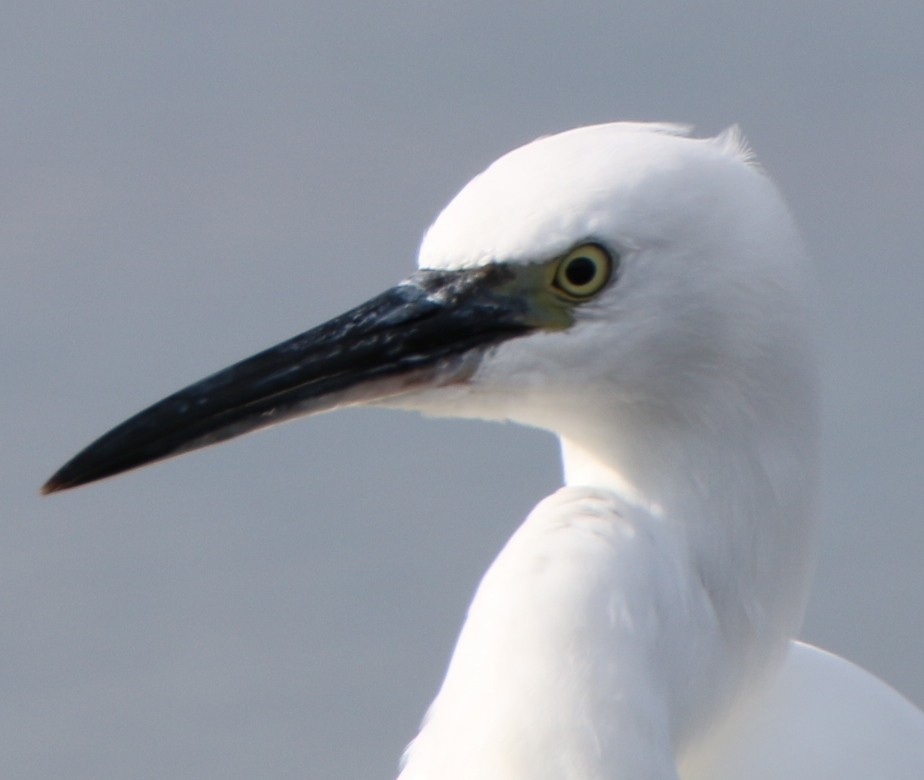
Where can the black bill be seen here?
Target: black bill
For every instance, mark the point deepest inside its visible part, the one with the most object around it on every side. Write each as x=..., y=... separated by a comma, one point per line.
x=428, y=330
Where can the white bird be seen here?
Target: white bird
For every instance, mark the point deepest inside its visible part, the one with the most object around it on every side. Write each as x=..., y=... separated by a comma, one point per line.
x=640, y=293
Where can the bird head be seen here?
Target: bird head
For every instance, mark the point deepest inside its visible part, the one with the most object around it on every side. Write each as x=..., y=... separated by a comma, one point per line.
x=623, y=269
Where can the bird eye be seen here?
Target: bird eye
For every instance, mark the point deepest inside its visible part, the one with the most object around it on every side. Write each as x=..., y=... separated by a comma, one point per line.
x=584, y=271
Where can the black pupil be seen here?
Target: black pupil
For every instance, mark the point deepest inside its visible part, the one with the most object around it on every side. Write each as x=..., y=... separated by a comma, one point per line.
x=580, y=271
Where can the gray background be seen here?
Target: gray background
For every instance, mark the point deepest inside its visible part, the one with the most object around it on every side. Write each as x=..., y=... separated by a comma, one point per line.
x=184, y=184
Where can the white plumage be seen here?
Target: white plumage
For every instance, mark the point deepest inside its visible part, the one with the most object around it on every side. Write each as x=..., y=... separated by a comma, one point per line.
x=640, y=293
x=654, y=598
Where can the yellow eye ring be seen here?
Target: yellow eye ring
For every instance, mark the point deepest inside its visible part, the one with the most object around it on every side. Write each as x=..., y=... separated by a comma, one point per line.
x=584, y=271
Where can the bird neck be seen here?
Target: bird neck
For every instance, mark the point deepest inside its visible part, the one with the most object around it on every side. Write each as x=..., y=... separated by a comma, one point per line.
x=637, y=601
x=625, y=613
x=739, y=498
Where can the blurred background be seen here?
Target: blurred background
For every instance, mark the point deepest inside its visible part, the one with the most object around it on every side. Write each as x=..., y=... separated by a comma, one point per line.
x=184, y=184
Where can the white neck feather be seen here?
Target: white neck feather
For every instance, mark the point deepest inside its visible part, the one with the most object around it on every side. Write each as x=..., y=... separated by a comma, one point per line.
x=701, y=581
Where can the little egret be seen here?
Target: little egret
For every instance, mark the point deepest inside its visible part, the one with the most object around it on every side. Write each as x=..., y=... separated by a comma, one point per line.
x=640, y=293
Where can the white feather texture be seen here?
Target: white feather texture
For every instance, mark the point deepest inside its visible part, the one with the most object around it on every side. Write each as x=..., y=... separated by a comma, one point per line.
x=645, y=611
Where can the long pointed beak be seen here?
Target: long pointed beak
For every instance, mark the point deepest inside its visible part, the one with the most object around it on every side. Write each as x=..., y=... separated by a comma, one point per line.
x=430, y=329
